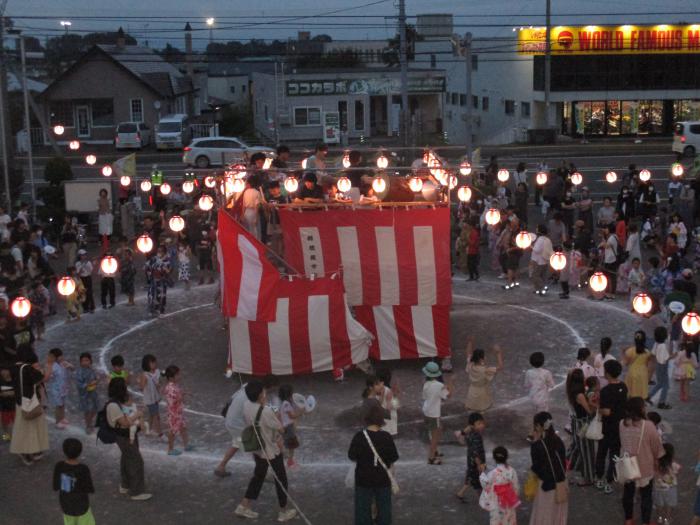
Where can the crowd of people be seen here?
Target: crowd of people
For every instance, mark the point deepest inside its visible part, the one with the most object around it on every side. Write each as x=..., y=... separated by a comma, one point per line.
x=609, y=394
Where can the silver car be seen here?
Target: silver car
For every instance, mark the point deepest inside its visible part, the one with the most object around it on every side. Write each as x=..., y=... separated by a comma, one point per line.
x=219, y=151
x=132, y=135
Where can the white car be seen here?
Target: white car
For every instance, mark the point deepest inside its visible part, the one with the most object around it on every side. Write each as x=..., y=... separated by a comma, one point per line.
x=219, y=151
x=686, y=138
x=132, y=135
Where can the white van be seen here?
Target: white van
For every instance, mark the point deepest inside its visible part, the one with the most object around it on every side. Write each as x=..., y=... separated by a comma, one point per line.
x=686, y=138
x=173, y=132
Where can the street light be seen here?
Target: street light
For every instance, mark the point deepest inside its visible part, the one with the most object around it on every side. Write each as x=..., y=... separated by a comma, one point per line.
x=65, y=24
x=210, y=23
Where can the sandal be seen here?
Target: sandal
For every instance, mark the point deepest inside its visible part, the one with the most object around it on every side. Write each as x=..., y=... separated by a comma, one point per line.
x=434, y=461
x=461, y=498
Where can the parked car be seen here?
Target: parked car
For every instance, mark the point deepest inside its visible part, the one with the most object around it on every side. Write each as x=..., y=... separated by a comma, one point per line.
x=173, y=132
x=219, y=151
x=686, y=138
x=132, y=135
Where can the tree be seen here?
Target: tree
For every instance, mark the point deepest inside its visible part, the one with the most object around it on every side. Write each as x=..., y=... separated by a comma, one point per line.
x=171, y=54
x=345, y=58
x=391, y=55
x=62, y=51
x=237, y=121
x=322, y=38
x=56, y=172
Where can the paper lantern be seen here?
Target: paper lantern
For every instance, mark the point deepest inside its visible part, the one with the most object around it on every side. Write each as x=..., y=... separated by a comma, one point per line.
x=125, y=180
x=691, y=323
x=209, y=181
x=645, y=175
x=464, y=194
x=343, y=184
x=576, y=178
x=107, y=170
x=291, y=184
x=267, y=163
x=145, y=185
x=144, y=244
x=382, y=162
x=165, y=188
x=239, y=171
x=58, y=129
x=91, y=160
x=676, y=170
x=416, y=184
x=642, y=303
x=541, y=178
x=378, y=185
x=304, y=162
x=176, y=223
x=598, y=282
x=346, y=161
x=611, y=176
x=109, y=265
x=65, y=285
x=206, y=203
x=452, y=182
x=493, y=216
x=465, y=168
x=557, y=261
x=188, y=186
x=74, y=145
x=503, y=175
x=21, y=307
x=523, y=240
x=434, y=165
x=238, y=185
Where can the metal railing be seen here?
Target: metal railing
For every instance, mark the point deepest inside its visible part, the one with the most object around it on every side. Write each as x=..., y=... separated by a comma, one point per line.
x=204, y=130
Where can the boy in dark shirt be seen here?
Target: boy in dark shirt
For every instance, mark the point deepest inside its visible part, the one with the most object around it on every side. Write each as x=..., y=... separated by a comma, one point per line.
x=613, y=398
x=74, y=483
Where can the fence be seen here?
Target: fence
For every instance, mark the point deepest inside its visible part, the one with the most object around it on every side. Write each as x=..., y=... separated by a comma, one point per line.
x=204, y=130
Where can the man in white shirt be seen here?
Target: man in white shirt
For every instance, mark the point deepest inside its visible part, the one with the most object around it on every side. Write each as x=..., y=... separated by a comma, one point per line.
x=269, y=428
x=434, y=393
x=541, y=252
x=317, y=161
x=610, y=247
x=5, y=220
x=662, y=356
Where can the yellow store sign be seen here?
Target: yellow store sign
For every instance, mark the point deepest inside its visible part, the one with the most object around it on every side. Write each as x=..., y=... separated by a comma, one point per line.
x=611, y=40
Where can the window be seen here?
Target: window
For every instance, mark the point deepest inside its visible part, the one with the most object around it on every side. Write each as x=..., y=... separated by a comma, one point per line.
x=343, y=112
x=267, y=113
x=485, y=103
x=307, y=116
x=359, y=115
x=127, y=128
x=455, y=99
x=102, y=112
x=475, y=102
x=243, y=88
x=510, y=107
x=695, y=129
x=525, y=109
x=433, y=62
x=136, y=107
x=463, y=100
x=232, y=89
x=62, y=113
x=475, y=62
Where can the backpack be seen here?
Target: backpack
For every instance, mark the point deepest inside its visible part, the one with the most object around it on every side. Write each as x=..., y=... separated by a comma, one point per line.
x=620, y=253
x=105, y=432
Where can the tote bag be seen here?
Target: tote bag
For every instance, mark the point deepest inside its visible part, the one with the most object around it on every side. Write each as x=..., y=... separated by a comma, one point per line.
x=595, y=428
x=31, y=407
x=626, y=466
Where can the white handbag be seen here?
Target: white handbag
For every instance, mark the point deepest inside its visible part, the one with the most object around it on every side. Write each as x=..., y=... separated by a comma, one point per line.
x=595, y=428
x=350, y=477
x=31, y=407
x=626, y=466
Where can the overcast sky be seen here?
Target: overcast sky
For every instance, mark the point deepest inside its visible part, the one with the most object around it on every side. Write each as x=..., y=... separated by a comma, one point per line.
x=372, y=23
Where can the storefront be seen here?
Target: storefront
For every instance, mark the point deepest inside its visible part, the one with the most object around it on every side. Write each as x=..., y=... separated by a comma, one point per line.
x=619, y=81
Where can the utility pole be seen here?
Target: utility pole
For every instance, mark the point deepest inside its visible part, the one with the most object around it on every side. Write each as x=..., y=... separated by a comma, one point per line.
x=403, y=61
x=468, y=107
x=28, y=123
x=4, y=113
x=547, y=61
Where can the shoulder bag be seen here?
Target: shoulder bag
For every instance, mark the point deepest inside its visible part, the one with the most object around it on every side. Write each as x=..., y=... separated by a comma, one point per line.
x=31, y=407
x=561, y=488
x=378, y=459
x=250, y=437
x=626, y=466
x=594, y=431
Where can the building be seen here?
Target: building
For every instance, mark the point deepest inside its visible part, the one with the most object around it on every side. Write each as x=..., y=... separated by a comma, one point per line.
x=116, y=83
x=229, y=82
x=349, y=104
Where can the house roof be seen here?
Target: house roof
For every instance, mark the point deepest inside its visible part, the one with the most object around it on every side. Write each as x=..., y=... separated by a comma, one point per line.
x=13, y=84
x=143, y=63
x=226, y=69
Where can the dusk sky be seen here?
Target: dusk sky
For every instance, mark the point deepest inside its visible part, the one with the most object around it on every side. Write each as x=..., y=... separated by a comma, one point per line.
x=369, y=20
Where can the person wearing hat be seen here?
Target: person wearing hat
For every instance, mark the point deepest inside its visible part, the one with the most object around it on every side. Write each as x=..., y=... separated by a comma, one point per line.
x=434, y=393
x=310, y=192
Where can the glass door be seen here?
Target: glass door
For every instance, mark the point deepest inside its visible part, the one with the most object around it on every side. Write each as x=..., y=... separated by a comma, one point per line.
x=82, y=121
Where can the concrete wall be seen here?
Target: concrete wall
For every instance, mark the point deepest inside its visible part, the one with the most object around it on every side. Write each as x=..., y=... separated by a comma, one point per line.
x=220, y=87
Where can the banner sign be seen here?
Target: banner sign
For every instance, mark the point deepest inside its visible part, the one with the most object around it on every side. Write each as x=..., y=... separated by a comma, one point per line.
x=375, y=86
x=611, y=40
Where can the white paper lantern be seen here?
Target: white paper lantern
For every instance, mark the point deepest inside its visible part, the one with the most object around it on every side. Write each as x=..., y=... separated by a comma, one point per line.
x=74, y=145
x=343, y=184
x=576, y=178
x=598, y=282
x=493, y=216
x=523, y=240
x=557, y=261
x=645, y=175
x=145, y=186
x=464, y=194
x=611, y=176
x=144, y=244
x=541, y=178
x=378, y=185
x=416, y=184
x=65, y=286
x=291, y=184
x=109, y=265
x=642, y=303
x=188, y=186
x=58, y=129
x=691, y=323
x=206, y=203
x=125, y=180
x=503, y=175
x=382, y=162
x=21, y=307
x=165, y=188
x=176, y=223
x=465, y=168
x=91, y=160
